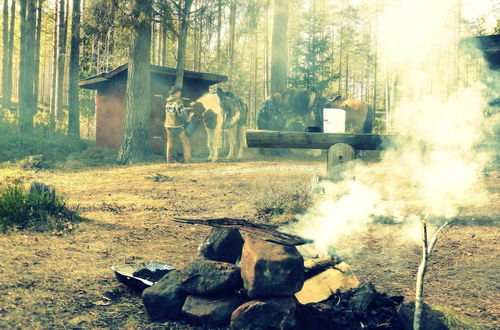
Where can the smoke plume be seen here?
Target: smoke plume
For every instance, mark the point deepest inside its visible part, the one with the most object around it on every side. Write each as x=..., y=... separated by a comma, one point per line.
x=435, y=171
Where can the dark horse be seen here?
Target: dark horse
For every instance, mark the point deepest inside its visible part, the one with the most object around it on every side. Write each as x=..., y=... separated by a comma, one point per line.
x=307, y=107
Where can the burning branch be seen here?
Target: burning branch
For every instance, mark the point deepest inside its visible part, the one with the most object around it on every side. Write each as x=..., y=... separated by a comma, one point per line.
x=426, y=251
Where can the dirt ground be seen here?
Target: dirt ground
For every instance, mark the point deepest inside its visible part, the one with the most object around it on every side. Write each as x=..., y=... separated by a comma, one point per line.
x=64, y=280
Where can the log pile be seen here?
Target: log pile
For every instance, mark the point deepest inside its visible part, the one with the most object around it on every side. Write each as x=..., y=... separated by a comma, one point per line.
x=244, y=281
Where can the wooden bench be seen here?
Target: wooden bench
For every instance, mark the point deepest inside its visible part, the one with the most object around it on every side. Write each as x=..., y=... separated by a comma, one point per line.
x=341, y=147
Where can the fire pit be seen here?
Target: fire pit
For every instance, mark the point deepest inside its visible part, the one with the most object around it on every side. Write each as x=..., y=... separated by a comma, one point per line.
x=141, y=275
x=254, y=277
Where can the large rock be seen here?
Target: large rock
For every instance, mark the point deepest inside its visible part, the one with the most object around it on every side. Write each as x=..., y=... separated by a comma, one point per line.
x=429, y=320
x=222, y=244
x=325, y=284
x=271, y=270
x=164, y=299
x=362, y=298
x=214, y=311
x=205, y=277
x=276, y=313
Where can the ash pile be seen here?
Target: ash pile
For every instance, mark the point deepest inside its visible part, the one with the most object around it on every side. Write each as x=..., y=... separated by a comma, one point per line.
x=245, y=282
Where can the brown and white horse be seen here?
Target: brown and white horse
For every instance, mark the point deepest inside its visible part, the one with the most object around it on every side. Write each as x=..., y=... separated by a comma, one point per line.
x=222, y=112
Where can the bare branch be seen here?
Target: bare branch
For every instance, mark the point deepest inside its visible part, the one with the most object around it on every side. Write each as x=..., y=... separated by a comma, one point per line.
x=435, y=237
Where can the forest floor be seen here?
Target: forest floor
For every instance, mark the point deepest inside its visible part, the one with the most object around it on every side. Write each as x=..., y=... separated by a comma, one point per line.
x=51, y=280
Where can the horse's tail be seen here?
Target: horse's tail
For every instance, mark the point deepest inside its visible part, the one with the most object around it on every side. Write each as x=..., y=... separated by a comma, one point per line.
x=369, y=120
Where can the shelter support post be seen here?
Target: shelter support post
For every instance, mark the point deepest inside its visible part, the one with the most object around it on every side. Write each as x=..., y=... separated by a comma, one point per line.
x=340, y=161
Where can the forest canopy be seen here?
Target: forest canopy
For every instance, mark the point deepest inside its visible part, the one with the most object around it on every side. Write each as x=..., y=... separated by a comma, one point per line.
x=333, y=47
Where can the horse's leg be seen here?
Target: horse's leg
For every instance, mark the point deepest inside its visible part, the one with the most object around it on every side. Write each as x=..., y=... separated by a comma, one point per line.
x=241, y=140
x=217, y=136
x=232, y=136
x=210, y=143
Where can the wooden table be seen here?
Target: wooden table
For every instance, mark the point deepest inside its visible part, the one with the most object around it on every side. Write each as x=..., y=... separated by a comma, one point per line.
x=341, y=147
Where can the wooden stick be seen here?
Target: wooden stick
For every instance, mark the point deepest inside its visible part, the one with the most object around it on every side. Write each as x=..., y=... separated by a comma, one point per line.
x=426, y=251
x=420, y=280
x=267, y=232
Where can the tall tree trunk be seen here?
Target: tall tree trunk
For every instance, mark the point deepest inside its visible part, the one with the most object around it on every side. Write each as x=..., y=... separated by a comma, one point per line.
x=61, y=60
x=8, y=70
x=232, y=32
x=6, y=52
x=219, y=29
x=279, y=52
x=27, y=102
x=267, y=81
x=182, y=40
x=341, y=48
x=160, y=44
x=37, y=47
x=54, y=70
x=153, y=44
x=164, y=32
x=135, y=140
x=74, y=73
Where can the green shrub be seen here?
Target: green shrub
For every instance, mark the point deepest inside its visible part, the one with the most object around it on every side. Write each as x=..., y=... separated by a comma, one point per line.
x=283, y=200
x=21, y=210
x=54, y=147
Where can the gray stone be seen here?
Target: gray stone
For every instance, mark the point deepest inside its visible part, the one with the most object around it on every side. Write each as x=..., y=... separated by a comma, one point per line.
x=271, y=270
x=206, y=277
x=276, y=313
x=164, y=299
x=35, y=162
x=214, y=311
x=222, y=244
x=40, y=188
x=429, y=321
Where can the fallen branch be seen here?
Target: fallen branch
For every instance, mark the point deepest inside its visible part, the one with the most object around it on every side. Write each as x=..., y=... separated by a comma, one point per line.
x=267, y=232
x=426, y=251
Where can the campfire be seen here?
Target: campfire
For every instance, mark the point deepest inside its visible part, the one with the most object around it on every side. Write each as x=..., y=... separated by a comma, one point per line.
x=254, y=277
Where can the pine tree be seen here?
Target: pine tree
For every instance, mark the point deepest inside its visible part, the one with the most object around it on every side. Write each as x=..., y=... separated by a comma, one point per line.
x=74, y=72
x=279, y=57
x=135, y=140
x=312, y=58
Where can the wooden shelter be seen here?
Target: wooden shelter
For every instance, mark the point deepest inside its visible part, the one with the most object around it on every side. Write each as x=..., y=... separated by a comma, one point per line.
x=490, y=47
x=111, y=97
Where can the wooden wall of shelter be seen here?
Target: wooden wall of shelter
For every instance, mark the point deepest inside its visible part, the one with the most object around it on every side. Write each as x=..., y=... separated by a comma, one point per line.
x=111, y=99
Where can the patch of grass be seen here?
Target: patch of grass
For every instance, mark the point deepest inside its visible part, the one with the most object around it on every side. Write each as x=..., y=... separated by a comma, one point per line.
x=283, y=200
x=54, y=147
x=96, y=156
x=455, y=321
x=56, y=150
x=38, y=211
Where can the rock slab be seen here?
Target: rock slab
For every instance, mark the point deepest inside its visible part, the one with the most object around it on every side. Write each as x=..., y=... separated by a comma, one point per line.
x=276, y=313
x=222, y=244
x=323, y=285
x=271, y=270
x=207, y=277
x=214, y=311
x=164, y=299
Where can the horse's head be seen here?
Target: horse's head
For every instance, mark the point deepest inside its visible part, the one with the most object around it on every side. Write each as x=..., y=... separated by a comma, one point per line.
x=196, y=111
x=298, y=105
x=338, y=102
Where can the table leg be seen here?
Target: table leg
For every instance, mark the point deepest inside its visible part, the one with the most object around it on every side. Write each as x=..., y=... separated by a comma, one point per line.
x=340, y=161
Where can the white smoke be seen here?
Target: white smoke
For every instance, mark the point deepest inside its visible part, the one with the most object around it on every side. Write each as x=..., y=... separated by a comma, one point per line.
x=435, y=172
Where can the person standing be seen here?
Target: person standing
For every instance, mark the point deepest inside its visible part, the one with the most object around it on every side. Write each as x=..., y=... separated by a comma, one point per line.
x=175, y=121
